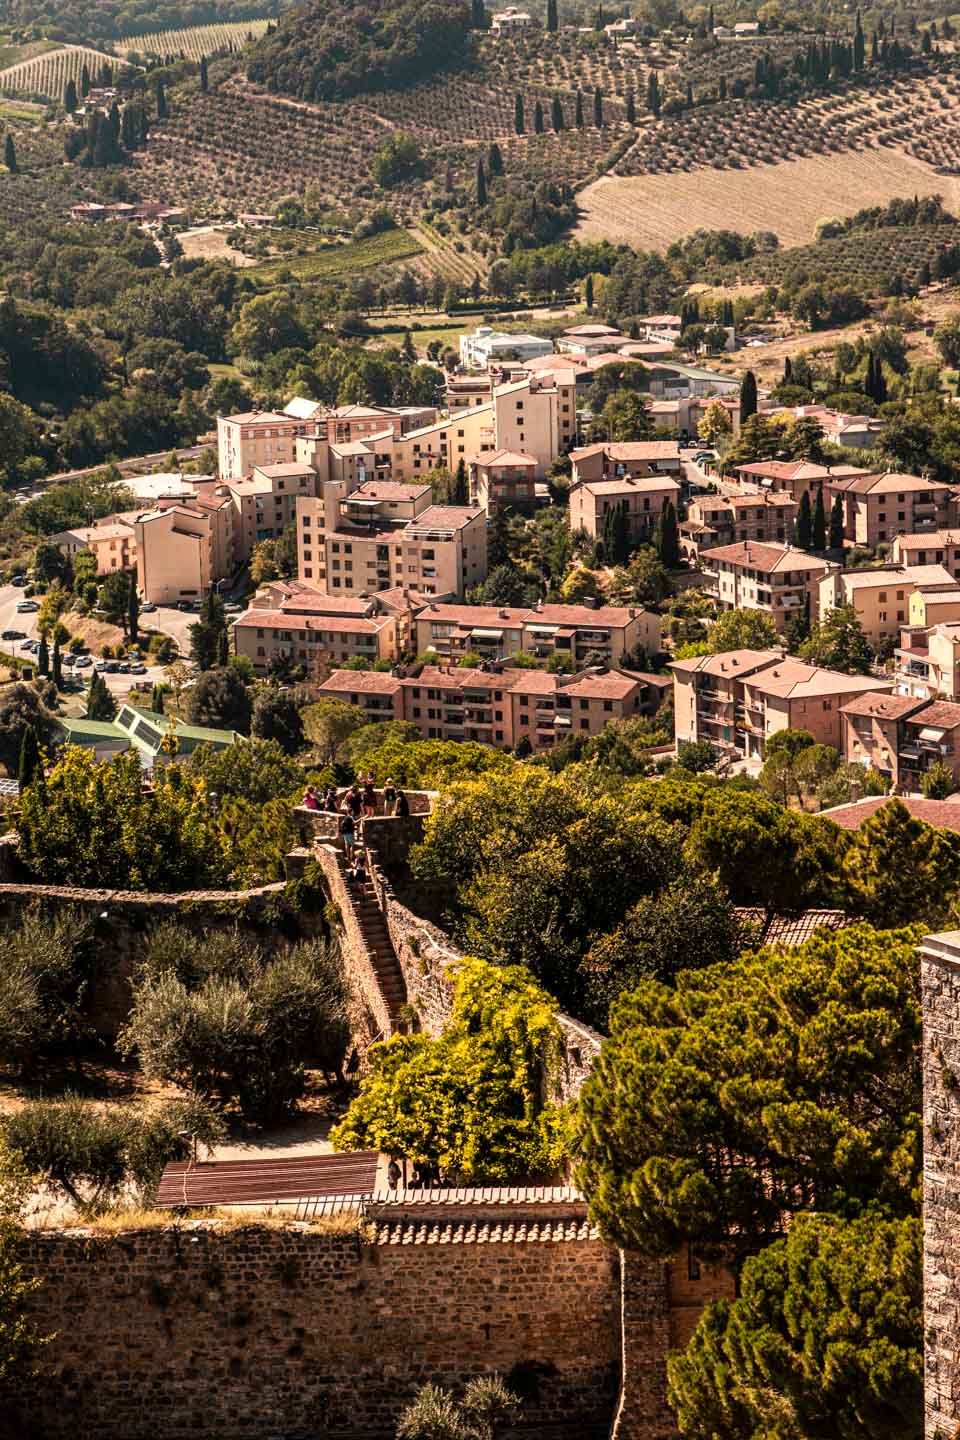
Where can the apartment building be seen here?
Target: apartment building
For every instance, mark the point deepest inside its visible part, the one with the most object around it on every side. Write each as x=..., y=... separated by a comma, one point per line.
x=934, y=607
x=499, y=707
x=902, y=737
x=501, y=479
x=859, y=432
x=384, y=534
x=346, y=423
x=682, y=415
x=795, y=477
x=641, y=497
x=261, y=437
x=266, y=503
x=183, y=547
x=738, y=699
x=111, y=542
x=715, y=520
x=589, y=340
x=777, y=579
x=612, y=634
x=609, y=461
x=320, y=642
x=928, y=662
x=930, y=547
x=881, y=598
x=877, y=508
x=486, y=347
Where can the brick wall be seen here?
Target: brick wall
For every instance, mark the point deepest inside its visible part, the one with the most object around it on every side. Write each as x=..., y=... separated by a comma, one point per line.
x=940, y=985
x=194, y=1331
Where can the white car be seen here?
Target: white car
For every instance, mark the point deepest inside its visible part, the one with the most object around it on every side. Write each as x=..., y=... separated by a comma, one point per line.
x=82, y=662
x=27, y=607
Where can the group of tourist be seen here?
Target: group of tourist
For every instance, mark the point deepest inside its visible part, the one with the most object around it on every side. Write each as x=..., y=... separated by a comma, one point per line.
x=358, y=804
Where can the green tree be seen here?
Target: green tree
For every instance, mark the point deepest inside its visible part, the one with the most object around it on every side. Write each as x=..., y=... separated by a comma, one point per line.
x=238, y=1024
x=10, y=154
x=115, y=597
x=70, y=97
x=481, y=195
x=552, y=19
x=397, y=159
x=22, y=709
x=98, y=824
x=329, y=724
x=473, y=1101
x=668, y=536
x=616, y=535
x=783, y=1081
x=837, y=642
x=257, y=770
x=206, y=634
x=132, y=619
x=30, y=763
x=56, y=664
x=804, y=522
x=275, y=717
x=836, y=524
x=818, y=528
x=157, y=695
x=43, y=657
x=204, y=75
x=20, y=1340
x=100, y=703
x=696, y=755
x=624, y=418
x=946, y=337
x=486, y=1407
x=938, y=782
x=899, y=870
x=48, y=961
x=219, y=700
x=748, y=396
x=742, y=630
x=519, y=123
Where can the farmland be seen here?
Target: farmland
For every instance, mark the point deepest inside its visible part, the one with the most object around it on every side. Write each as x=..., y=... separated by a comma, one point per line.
x=194, y=42
x=47, y=74
x=651, y=211
x=337, y=261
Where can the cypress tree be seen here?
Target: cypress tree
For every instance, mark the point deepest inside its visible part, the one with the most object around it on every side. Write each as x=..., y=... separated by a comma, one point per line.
x=723, y=87
x=518, y=120
x=223, y=647
x=478, y=14
x=133, y=612
x=598, y=108
x=631, y=109
x=653, y=94
x=156, y=699
x=689, y=95
x=538, y=118
x=460, y=494
x=29, y=758
x=818, y=535
x=556, y=114
x=10, y=154
x=748, y=396
x=859, y=45
x=43, y=657
x=787, y=370
x=588, y=292
x=804, y=527
x=115, y=120
x=204, y=75
x=668, y=537
x=100, y=703
x=84, y=82
x=70, y=96
x=495, y=159
x=836, y=524
x=161, y=97
x=56, y=669
x=481, y=185
x=578, y=115
x=552, y=19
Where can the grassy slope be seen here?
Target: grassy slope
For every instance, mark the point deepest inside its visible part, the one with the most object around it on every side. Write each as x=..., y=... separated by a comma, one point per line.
x=385, y=249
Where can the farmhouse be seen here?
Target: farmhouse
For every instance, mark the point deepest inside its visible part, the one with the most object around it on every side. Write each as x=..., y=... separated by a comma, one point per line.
x=510, y=22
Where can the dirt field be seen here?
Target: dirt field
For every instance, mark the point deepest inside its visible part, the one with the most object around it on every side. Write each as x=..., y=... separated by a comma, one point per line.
x=651, y=211
x=206, y=243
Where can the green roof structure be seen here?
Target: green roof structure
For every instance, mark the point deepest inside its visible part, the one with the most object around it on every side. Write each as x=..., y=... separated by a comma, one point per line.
x=144, y=731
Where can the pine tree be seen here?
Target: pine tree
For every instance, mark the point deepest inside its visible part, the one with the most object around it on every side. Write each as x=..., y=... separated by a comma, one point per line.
x=204, y=75
x=481, y=185
x=598, y=108
x=518, y=120
x=631, y=108
x=70, y=96
x=56, y=669
x=836, y=524
x=161, y=97
x=30, y=762
x=156, y=699
x=10, y=155
x=818, y=532
x=804, y=527
x=748, y=396
x=538, y=118
x=552, y=19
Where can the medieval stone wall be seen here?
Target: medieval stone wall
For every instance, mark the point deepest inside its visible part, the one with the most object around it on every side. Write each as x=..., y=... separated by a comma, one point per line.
x=198, y=1331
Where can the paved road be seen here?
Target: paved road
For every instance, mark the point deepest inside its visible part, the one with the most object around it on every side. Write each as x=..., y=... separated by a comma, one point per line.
x=135, y=465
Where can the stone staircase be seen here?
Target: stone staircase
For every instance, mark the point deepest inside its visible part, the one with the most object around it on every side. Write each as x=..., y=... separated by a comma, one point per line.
x=372, y=925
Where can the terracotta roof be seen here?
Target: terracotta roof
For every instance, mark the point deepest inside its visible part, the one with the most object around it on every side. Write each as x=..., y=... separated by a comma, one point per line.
x=239, y=1182
x=635, y=450
x=735, y=663
x=372, y=682
x=627, y=484
x=387, y=490
x=794, y=680
x=284, y=620
x=291, y=467
x=874, y=705
x=944, y=814
x=795, y=930
x=939, y=715
x=887, y=483
x=454, y=516
x=610, y=686
x=768, y=558
x=503, y=457
x=924, y=540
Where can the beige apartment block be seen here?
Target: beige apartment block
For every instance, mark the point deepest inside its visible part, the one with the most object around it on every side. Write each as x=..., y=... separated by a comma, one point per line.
x=928, y=662
x=776, y=579
x=903, y=737
x=877, y=508
x=266, y=504
x=112, y=543
x=613, y=634
x=640, y=457
x=930, y=547
x=261, y=437
x=184, y=548
x=320, y=642
x=881, y=598
x=385, y=534
x=502, y=479
x=796, y=477
x=738, y=699
x=714, y=520
x=642, y=498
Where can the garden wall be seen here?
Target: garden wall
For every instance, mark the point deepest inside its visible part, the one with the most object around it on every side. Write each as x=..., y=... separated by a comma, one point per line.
x=197, y=1331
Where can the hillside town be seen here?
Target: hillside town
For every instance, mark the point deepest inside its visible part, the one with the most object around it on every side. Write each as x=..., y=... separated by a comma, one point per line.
x=479, y=721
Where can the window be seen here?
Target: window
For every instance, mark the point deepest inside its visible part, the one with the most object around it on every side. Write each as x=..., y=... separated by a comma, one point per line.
x=608, y=705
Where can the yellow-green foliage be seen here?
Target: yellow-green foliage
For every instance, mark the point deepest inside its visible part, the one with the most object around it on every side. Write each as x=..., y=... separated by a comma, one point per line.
x=473, y=1100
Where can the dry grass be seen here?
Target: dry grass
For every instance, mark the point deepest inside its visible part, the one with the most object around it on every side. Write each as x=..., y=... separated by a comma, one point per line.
x=225, y=1220
x=207, y=243
x=651, y=211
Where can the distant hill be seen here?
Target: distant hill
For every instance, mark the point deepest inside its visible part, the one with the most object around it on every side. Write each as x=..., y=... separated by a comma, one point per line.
x=333, y=49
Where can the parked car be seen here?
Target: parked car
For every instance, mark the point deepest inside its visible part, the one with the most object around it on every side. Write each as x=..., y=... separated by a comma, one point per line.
x=138, y=669
x=112, y=667
x=148, y=608
x=19, y=581
x=27, y=607
x=233, y=608
x=82, y=662
x=32, y=645
x=100, y=667
x=123, y=668
x=13, y=635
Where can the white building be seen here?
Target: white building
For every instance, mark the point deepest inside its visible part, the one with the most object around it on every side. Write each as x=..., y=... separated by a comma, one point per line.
x=511, y=22
x=490, y=347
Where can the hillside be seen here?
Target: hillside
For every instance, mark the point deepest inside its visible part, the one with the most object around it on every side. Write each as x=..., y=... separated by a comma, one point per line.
x=78, y=22
x=329, y=51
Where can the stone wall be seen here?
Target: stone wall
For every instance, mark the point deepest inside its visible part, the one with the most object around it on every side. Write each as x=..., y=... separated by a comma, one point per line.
x=940, y=987
x=197, y=1331
x=369, y=1014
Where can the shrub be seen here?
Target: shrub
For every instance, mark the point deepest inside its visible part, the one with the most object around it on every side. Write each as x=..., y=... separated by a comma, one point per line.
x=46, y=964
